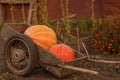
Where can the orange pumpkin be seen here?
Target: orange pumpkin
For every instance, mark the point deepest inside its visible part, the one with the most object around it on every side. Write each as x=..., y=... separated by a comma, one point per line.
x=42, y=35
x=62, y=51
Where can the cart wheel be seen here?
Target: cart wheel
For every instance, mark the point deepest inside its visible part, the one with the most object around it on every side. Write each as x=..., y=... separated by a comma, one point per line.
x=20, y=55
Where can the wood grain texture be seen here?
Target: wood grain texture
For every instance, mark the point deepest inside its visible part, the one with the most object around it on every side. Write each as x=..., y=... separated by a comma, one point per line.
x=16, y=1
x=1, y=14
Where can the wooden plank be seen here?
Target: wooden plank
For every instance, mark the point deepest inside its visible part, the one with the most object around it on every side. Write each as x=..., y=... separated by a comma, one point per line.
x=79, y=69
x=7, y=32
x=30, y=14
x=16, y=1
x=30, y=2
x=48, y=58
x=1, y=14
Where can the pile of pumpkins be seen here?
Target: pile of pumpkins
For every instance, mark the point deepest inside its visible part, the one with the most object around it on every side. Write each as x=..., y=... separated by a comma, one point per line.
x=45, y=37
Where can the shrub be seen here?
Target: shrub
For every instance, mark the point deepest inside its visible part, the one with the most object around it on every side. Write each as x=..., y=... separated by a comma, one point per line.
x=107, y=36
x=84, y=24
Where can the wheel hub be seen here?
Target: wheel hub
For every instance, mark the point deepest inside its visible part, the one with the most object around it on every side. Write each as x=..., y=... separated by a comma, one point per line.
x=18, y=55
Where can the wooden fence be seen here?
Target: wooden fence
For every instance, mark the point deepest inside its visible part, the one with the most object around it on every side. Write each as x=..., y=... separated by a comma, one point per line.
x=78, y=7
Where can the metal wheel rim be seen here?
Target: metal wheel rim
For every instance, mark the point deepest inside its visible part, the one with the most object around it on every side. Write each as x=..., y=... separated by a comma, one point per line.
x=10, y=62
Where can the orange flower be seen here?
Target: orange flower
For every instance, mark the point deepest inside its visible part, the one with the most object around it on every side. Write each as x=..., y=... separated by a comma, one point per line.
x=109, y=47
x=102, y=48
x=113, y=49
x=118, y=47
x=95, y=44
x=96, y=36
x=98, y=41
x=101, y=32
x=110, y=44
x=111, y=40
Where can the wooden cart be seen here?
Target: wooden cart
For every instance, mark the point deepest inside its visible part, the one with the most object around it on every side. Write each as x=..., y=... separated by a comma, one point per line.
x=21, y=55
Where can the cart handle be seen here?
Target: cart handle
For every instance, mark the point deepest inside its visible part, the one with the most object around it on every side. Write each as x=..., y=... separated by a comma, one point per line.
x=79, y=69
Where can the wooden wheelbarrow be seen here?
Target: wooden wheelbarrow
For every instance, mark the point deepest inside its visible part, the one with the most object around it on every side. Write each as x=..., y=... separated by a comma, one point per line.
x=21, y=55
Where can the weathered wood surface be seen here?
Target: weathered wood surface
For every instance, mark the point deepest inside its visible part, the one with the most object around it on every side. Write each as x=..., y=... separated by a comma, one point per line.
x=79, y=69
x=53, y=69
x=9, y=30
x=30, y=11
x=46, y=59
x=1, y=14
x=61, y=71
x=19, y=27
x=51, y=63
x=16, y=1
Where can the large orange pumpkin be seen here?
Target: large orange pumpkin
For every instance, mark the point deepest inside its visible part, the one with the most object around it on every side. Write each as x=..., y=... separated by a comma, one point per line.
x=62, y=51
x=42, y=35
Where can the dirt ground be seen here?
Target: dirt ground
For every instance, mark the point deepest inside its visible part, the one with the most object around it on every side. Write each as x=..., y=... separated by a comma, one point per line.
x=107, y=71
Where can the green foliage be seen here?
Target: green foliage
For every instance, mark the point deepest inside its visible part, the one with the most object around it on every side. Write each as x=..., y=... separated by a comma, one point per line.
x=107, y=36
x=84, y=25
x=65, y=16
x=43, y=12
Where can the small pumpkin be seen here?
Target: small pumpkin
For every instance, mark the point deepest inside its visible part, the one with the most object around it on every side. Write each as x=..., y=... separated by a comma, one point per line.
x=62, y=51
x=42, y=35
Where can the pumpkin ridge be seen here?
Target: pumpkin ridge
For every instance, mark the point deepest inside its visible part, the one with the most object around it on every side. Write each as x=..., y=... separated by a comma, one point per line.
x=42, y=35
